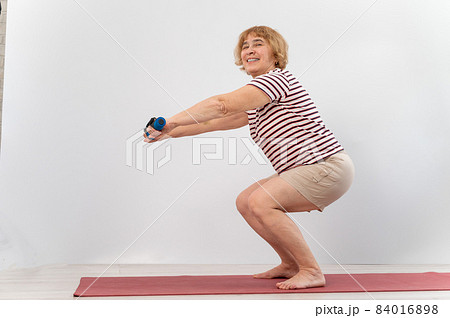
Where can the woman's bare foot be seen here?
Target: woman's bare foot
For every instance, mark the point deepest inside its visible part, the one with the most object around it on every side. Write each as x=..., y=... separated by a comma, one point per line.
x=282, y=270
x=305, y=278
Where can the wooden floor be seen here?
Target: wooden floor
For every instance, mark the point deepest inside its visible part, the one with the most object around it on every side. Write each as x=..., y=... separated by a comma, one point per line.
x=60, y=281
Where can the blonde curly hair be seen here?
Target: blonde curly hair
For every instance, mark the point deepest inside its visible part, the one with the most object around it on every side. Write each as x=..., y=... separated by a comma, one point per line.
x=276, y=41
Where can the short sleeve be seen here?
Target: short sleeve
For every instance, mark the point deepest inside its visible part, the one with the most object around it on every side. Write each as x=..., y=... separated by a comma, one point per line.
x=275, y=85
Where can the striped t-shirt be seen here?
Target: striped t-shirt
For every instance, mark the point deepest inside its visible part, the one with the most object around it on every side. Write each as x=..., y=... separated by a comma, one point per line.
x=289, y=129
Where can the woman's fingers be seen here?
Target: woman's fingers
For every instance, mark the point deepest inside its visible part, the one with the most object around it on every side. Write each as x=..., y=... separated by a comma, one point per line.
x=149, y=131
x=153, y=139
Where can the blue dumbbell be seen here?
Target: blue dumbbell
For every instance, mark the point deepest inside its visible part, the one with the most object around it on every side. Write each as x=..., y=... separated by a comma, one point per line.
x=157, y=124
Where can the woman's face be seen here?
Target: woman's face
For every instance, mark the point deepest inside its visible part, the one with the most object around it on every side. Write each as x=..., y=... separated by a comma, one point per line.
x=257, y=55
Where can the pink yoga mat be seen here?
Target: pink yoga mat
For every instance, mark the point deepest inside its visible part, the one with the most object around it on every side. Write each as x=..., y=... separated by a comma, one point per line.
x=246, y=284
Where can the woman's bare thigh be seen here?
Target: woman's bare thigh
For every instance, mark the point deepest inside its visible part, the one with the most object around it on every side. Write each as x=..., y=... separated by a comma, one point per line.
x=277, y=193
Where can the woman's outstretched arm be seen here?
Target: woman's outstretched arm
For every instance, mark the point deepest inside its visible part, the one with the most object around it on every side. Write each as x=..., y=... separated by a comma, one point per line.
x=230, y=122
x=219, y=112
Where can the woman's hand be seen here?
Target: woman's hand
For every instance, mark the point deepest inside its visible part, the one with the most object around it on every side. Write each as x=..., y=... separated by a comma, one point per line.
x=164, y=133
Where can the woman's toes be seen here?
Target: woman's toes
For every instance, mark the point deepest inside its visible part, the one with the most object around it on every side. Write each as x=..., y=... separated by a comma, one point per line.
x=281, y=285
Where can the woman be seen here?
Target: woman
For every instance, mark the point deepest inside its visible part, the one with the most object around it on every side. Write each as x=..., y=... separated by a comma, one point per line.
x=313, y=170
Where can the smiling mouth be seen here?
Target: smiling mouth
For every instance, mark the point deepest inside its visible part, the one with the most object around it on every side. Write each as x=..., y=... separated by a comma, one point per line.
x=252, y=60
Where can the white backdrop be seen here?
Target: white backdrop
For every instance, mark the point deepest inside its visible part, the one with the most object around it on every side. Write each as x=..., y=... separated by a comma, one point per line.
x=82, y=80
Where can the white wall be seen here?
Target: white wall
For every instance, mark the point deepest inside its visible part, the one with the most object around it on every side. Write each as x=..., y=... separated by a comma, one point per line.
x=73, y=97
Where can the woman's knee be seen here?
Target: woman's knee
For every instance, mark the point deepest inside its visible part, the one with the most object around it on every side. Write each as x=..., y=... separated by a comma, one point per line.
x=242, y=203
x=242, y=199
x=249, y=206
x=256, y=205
x=248, y=203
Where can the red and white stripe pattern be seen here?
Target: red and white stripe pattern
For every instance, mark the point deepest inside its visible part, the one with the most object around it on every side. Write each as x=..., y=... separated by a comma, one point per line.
x=289, y=129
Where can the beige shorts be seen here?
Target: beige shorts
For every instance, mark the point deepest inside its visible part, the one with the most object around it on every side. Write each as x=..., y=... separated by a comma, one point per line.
x=324, y=182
